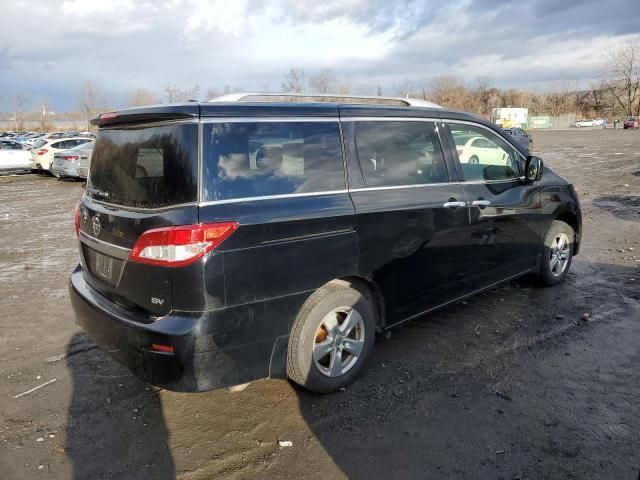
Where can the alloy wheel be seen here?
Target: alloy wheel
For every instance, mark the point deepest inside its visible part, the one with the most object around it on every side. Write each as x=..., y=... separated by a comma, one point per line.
x=559, y=256
x=339, y=341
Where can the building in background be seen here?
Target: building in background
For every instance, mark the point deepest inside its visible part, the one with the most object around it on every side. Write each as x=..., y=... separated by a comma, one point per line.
x=508, y=117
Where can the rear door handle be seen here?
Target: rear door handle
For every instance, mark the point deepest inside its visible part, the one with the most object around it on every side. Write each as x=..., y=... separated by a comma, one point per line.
x=454, y=204
x=481, y=203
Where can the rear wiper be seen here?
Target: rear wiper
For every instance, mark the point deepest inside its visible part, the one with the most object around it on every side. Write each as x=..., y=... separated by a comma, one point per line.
x=98, y=193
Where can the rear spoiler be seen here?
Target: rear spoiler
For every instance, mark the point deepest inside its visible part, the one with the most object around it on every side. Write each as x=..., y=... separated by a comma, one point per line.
x=161, y=113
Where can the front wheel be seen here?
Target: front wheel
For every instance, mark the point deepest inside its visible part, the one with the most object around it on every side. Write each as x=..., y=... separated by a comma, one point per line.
x=473, y=160
x=332, y=337
x=557, y=253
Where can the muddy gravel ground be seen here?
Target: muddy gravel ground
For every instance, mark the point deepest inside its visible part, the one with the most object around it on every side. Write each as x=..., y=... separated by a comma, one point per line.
x=510, y=384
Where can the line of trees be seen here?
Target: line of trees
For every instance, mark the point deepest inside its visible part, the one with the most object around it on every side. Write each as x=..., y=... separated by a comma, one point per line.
x=616, y=93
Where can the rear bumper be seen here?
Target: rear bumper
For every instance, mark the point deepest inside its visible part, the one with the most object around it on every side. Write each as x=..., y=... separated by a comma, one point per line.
x=65, y=168
x=41, y=162
x=196, y=364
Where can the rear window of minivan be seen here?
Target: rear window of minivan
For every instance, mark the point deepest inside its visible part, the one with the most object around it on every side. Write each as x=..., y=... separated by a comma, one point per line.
x=256, y=159
x=145, y=167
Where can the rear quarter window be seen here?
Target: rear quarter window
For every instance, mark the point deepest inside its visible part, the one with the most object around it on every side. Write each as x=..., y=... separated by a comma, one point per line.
x=255, y=159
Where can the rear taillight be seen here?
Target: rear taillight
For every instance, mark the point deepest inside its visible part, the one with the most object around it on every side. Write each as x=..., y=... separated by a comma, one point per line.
x=162, y=348
x=77, y=219
x=41, y=151
x=71, y=157
x=179, y=246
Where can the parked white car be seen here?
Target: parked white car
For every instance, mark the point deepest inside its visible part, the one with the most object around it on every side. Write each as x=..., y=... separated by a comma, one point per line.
x=473, y=149
x=43, y=151
x=13, y=156
x=584, y=123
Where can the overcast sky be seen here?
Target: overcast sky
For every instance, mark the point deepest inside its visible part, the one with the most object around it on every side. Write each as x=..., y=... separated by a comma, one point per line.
x=47, y=47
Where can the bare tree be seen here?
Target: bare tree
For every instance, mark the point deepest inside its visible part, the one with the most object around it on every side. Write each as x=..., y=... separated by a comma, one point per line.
x=622, y=77
x=323, y=82
x=44, y=105
x=174, y=94
x=345, y=87
x=365, y=89
x=211, y=93
x=404, y=88
x=448, y=91
x=141, y=97
x=422, y=88
x=192, y=93
x=92, y=100
x=171, y=92
x=21, y=104
x=561, y=100
x=294, y=81
x=486, y=95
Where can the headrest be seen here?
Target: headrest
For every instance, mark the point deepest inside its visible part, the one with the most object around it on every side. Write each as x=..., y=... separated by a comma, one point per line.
x=269, y=157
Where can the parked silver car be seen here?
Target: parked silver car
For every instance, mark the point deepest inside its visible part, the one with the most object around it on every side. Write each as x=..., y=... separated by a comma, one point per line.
x=74, y=162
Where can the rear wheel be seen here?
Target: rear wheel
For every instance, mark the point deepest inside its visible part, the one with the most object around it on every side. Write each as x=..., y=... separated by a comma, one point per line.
x=473, y=160
x=557, y=254
x=332, y=337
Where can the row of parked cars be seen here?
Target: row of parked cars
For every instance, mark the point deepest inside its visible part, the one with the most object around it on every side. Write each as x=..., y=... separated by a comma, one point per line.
x=589, y=122
x=61, y=154
x=629, y=122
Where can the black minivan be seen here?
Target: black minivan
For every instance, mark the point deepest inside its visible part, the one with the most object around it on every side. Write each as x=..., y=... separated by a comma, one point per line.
x=224, y=242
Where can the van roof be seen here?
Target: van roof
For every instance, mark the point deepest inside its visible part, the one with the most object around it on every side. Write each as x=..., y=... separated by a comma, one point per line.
x=298, y=108
x=288, y=97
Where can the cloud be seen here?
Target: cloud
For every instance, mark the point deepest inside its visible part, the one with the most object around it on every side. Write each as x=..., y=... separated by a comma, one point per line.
x=129, y=44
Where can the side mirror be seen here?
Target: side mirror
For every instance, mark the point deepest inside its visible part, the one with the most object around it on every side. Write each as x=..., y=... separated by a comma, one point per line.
x=533, y=168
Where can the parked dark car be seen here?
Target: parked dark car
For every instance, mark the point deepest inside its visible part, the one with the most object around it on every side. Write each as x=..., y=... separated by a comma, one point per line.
x=225, y=242
x=521, y=137
x=632, y=122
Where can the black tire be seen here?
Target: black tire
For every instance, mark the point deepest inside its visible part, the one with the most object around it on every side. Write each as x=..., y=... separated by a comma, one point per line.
x=549, y=276
x=473, y=160
x=336, y=297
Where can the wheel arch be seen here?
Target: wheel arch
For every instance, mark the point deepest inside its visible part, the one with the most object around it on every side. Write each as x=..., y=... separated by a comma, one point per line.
x=370, y=288
x=571, y=219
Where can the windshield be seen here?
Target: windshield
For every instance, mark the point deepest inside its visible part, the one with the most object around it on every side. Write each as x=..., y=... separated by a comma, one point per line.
x=145, y=167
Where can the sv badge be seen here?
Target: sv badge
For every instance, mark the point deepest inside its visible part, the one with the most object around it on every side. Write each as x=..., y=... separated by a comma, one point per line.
x=157, y=301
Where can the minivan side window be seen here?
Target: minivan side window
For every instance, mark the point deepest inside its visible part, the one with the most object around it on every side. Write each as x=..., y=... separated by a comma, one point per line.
x=483, y=155
x=255, y=159
x=399, y=153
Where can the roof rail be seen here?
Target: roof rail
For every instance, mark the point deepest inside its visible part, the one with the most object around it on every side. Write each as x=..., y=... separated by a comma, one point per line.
x=322, y=97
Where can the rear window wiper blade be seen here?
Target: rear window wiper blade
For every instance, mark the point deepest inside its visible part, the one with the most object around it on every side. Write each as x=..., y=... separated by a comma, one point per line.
x=97, y=192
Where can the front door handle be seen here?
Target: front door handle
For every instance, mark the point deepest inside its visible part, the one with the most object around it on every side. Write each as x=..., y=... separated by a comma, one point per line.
x=453, y=204
x=481, y=203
